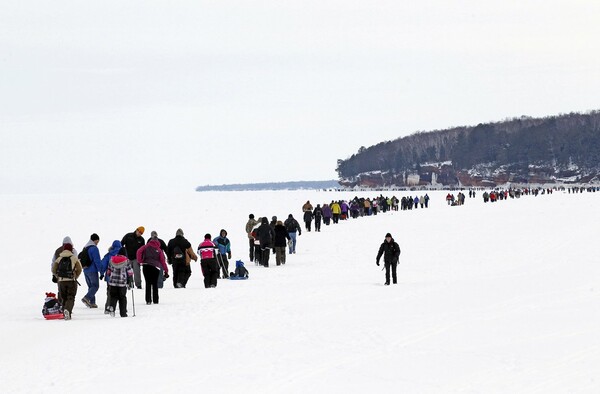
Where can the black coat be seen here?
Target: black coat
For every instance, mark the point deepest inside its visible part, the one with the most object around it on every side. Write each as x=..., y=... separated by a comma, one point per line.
x=308, y=215
x=318, y=213
x=281, y=236
x=390, y=251
x=180, y=241
x=264, y=232
x=292, y=226
x=132, y=243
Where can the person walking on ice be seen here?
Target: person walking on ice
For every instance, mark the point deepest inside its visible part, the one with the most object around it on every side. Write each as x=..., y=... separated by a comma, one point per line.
x=391, y=253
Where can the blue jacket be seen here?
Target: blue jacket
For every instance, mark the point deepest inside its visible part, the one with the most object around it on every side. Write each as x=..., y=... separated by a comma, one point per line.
x=113, y=251
x=223, y=244
x=94, y=255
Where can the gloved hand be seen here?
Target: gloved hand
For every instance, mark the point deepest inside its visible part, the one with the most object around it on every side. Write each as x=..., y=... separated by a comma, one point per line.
x=54, y=279
x=377, y=262
x=129, y=284
x=166, y=275
x=229, y=255
x=101, y=276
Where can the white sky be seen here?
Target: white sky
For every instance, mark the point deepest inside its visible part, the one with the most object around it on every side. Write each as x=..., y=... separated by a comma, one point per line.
x=131, y=95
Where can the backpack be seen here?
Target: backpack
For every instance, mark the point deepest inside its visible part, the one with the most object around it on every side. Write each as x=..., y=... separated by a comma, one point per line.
x=65, y=268
x=152, y=256
x=178, y=255
x=84, y=257
x=291, y=225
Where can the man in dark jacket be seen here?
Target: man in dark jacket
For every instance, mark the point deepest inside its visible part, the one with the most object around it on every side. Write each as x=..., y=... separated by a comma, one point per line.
x=180, y=253
x=318, y=215
x=308, y=216
x=391, y=252
x=280, y=240
x=292, y=227
x=265, y=234
x=132, y=242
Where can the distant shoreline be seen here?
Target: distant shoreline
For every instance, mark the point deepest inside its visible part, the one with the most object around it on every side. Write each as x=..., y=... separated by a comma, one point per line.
x=295, y=185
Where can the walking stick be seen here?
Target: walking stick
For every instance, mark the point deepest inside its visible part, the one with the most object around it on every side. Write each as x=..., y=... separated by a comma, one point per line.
x=133, y=301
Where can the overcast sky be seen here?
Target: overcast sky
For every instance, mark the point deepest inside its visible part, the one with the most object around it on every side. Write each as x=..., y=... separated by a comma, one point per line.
x=135, y=95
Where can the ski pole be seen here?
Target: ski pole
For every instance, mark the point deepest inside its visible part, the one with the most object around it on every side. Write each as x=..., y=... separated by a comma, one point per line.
x=133, y=301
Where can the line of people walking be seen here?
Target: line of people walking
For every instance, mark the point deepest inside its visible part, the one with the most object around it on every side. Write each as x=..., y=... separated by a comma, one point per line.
x=127, y=260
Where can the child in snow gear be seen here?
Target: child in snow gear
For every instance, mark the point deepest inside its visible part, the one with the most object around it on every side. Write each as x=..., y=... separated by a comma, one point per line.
x=208, y=262
x=67, y=270
x=391, y=252
x=52, y=308
x=240, y=271
x=115, y=249
x=120, y=274
x=152, y=260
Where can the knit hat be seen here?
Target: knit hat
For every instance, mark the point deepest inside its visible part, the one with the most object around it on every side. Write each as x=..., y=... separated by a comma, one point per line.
x=179, y=232
x=154, y=235
x=251, y=216
x=388, y=235
x=68, y=247
x=274, y=218
x=141, y=229
x=67, y=240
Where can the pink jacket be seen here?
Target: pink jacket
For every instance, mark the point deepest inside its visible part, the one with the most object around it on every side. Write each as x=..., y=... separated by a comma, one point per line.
x=144, y=258
x=206, y=249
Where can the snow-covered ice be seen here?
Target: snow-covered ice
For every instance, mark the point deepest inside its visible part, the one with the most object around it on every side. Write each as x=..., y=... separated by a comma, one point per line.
x=492, y=298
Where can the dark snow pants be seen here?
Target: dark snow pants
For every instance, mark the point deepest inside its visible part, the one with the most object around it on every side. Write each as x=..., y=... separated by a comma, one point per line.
x=67, y=290
x=387, y=271
x=210, y=270
x=181, y=273
x=118, y=294
x=265, y=253
x=251, y=241
x=151, y=277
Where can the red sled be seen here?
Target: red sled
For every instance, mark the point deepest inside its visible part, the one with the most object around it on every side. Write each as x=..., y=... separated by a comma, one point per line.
x=54, y=316
x=52, y=309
